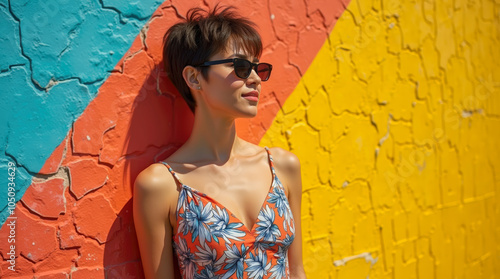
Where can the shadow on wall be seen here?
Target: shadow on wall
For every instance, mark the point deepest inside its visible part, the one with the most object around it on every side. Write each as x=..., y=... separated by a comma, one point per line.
x=160, y=123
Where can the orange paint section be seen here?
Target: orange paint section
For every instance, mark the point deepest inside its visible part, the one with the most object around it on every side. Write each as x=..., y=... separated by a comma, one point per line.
x=76, y=218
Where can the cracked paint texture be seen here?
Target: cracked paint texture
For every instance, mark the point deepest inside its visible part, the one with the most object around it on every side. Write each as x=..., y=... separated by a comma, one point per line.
x=394, y=115
x=396, y=123
x=60, y=53
x=101, y=121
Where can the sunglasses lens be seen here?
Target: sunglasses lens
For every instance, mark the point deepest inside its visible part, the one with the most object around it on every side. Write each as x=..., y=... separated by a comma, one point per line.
x=264, y=71
x=242, y=68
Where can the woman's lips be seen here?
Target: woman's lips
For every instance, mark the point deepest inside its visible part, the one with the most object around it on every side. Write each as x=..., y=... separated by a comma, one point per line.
x=251, y=96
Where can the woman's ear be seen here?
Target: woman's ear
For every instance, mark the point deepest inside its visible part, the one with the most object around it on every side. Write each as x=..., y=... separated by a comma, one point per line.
x=192, y=77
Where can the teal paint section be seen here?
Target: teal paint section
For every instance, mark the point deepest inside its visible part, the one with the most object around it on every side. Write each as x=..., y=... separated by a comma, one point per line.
x=60, y=53
x=9, y=39
x=132, y=9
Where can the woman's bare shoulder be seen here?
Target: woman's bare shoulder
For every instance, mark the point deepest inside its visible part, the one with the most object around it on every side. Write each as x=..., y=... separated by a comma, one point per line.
x=287, y=166
x=285, y=160
x=155, y=178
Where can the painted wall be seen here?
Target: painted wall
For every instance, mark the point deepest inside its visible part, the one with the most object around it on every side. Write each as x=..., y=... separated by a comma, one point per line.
x=394, y=114
x=397, y=125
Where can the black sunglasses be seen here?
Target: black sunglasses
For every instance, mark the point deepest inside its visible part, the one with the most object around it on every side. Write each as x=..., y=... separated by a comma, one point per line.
x=243, y=67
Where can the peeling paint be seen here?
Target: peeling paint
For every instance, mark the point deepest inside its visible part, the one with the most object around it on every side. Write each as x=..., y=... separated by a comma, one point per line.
x=367, y=256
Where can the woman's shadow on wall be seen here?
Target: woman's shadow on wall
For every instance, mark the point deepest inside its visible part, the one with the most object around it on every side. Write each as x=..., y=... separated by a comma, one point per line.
x=160, y=123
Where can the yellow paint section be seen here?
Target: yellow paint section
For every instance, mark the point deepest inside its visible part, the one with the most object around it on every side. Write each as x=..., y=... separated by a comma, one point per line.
x=397, y=127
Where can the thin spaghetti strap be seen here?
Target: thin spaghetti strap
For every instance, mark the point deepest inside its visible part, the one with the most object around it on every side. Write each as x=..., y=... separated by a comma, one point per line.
x=173, y=173
x=270, y=160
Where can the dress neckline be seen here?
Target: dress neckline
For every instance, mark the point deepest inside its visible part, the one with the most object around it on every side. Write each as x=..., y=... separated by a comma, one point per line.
x=203, y=195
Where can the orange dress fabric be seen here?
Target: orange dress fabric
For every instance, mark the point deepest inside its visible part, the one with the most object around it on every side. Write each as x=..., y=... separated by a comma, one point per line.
x=211, y=242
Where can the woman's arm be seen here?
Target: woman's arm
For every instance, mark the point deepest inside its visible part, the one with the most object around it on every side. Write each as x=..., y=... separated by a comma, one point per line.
x=288, y=164
x=152, y=191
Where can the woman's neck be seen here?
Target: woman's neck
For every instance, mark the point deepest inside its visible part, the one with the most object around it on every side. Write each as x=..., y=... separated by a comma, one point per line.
x=213, y=137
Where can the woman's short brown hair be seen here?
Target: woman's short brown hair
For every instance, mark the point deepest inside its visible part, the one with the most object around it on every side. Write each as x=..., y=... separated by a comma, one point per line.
x=202, y=35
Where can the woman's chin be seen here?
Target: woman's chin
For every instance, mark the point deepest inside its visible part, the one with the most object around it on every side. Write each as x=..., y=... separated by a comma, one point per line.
x=254, y=111
x=249, y=112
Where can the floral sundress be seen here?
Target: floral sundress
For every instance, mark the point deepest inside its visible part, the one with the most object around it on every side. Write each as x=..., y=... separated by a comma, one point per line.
x=211, y=242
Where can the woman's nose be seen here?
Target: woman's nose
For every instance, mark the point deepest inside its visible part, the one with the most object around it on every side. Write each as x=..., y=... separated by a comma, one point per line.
x=254, y=77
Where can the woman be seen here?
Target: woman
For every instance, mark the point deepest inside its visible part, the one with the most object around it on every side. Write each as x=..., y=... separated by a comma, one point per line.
x=219, y=207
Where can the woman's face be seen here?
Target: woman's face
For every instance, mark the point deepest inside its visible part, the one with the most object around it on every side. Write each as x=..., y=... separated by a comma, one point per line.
x=225, y=93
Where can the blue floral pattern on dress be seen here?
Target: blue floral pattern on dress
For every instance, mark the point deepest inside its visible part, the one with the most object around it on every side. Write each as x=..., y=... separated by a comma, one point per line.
x=210, y=242
x=234, y=260
x=222, y=228
x=257, y=265
x=267, y=229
